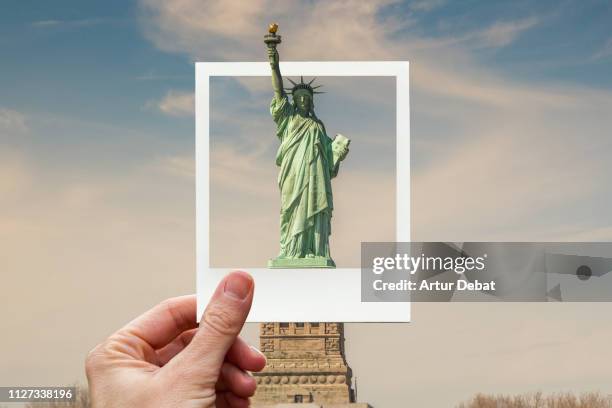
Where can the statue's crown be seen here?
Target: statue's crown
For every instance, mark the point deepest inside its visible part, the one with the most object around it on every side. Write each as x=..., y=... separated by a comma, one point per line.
x=303, y=85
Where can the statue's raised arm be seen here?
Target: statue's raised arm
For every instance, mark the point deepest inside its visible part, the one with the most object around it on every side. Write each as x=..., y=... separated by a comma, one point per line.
x=272, y=40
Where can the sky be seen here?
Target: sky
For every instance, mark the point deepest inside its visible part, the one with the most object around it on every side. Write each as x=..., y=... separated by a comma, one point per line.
x=510, y=140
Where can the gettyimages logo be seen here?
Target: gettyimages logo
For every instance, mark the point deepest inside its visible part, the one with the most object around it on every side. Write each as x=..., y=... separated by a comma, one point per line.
x=406, y=262
x=485, y=271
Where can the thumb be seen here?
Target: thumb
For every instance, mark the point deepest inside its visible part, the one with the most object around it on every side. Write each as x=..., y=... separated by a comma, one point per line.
x=220, y=325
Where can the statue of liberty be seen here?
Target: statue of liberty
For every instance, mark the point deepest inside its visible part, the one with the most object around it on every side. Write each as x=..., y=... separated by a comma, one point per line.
x=308, y=159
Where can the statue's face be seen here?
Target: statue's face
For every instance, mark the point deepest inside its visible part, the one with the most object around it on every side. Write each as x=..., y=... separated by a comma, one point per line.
x=302, y=100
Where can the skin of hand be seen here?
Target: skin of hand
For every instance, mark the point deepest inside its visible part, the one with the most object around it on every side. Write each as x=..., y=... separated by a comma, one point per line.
x=163, y=359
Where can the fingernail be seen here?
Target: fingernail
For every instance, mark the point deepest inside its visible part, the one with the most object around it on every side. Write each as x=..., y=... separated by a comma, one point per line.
x=238, y=285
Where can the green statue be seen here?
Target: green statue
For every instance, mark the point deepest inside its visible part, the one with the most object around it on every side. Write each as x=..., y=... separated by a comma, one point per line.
x=308, y=159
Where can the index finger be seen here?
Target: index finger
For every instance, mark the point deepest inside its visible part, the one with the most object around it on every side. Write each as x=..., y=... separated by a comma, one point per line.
x=164, y=322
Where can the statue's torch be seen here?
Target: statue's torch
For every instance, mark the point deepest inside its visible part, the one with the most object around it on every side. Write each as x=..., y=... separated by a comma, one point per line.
x=271, y=39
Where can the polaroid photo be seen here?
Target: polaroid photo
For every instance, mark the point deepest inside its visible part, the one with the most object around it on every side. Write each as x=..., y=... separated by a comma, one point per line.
x=287, y=187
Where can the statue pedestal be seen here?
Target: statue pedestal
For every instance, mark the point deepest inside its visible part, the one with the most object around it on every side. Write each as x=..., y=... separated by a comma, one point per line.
x=305, y=365
x=290, y=263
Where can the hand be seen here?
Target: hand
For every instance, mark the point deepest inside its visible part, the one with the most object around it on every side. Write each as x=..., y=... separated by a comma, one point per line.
x=273, y=55
x=161, y=359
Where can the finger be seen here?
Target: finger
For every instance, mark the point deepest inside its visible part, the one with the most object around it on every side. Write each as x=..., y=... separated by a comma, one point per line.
x=229, y=400
x=221, y=322
x=164, y=322
x=236, y=381
x=177, y=345
x=245, y=356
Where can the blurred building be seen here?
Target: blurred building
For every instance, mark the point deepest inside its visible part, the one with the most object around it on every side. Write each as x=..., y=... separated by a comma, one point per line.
x=306, y=365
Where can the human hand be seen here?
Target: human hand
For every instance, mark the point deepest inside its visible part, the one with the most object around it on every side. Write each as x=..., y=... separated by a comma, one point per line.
x=161, y=359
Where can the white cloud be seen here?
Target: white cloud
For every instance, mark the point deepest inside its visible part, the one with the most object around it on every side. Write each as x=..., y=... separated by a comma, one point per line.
x=45, y=23
x=336, y=30
x=153, y=76
x=175, y=103
x=84, y=22
x=492, y=115
x=605, y=51
x=12, y=121
x=503, y=33
x=233, y=30
x=426, y=5
x=499, y=187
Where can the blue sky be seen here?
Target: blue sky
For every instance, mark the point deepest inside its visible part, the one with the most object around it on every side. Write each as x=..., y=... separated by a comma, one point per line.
x=510, y=136
x=89, y=62
x=89, y=54
x=113, y=62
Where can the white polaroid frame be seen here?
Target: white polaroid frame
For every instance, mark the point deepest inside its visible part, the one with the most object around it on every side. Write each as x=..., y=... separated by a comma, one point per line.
x=301, y=295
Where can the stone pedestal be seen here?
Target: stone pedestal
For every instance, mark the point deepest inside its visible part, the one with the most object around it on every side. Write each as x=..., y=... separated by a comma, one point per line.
x=290, y=263
x=306, y=366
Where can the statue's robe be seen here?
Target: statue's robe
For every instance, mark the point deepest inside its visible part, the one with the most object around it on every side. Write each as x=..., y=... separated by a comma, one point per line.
x=306, y=167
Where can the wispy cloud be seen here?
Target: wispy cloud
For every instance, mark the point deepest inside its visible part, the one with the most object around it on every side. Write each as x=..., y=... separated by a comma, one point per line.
x=496, y=35
x=45, y=23
x=12, y=121
x=153, y=76
x=351, y=32
x=605, y=51
x=480, y=118
x=84, y=22
x=490, y=188
x=503, y=33
x=174, y=103
x=233, y=30
x=426, y=5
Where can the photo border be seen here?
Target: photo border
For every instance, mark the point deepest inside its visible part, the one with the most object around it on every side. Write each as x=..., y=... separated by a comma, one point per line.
x=318, y=295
